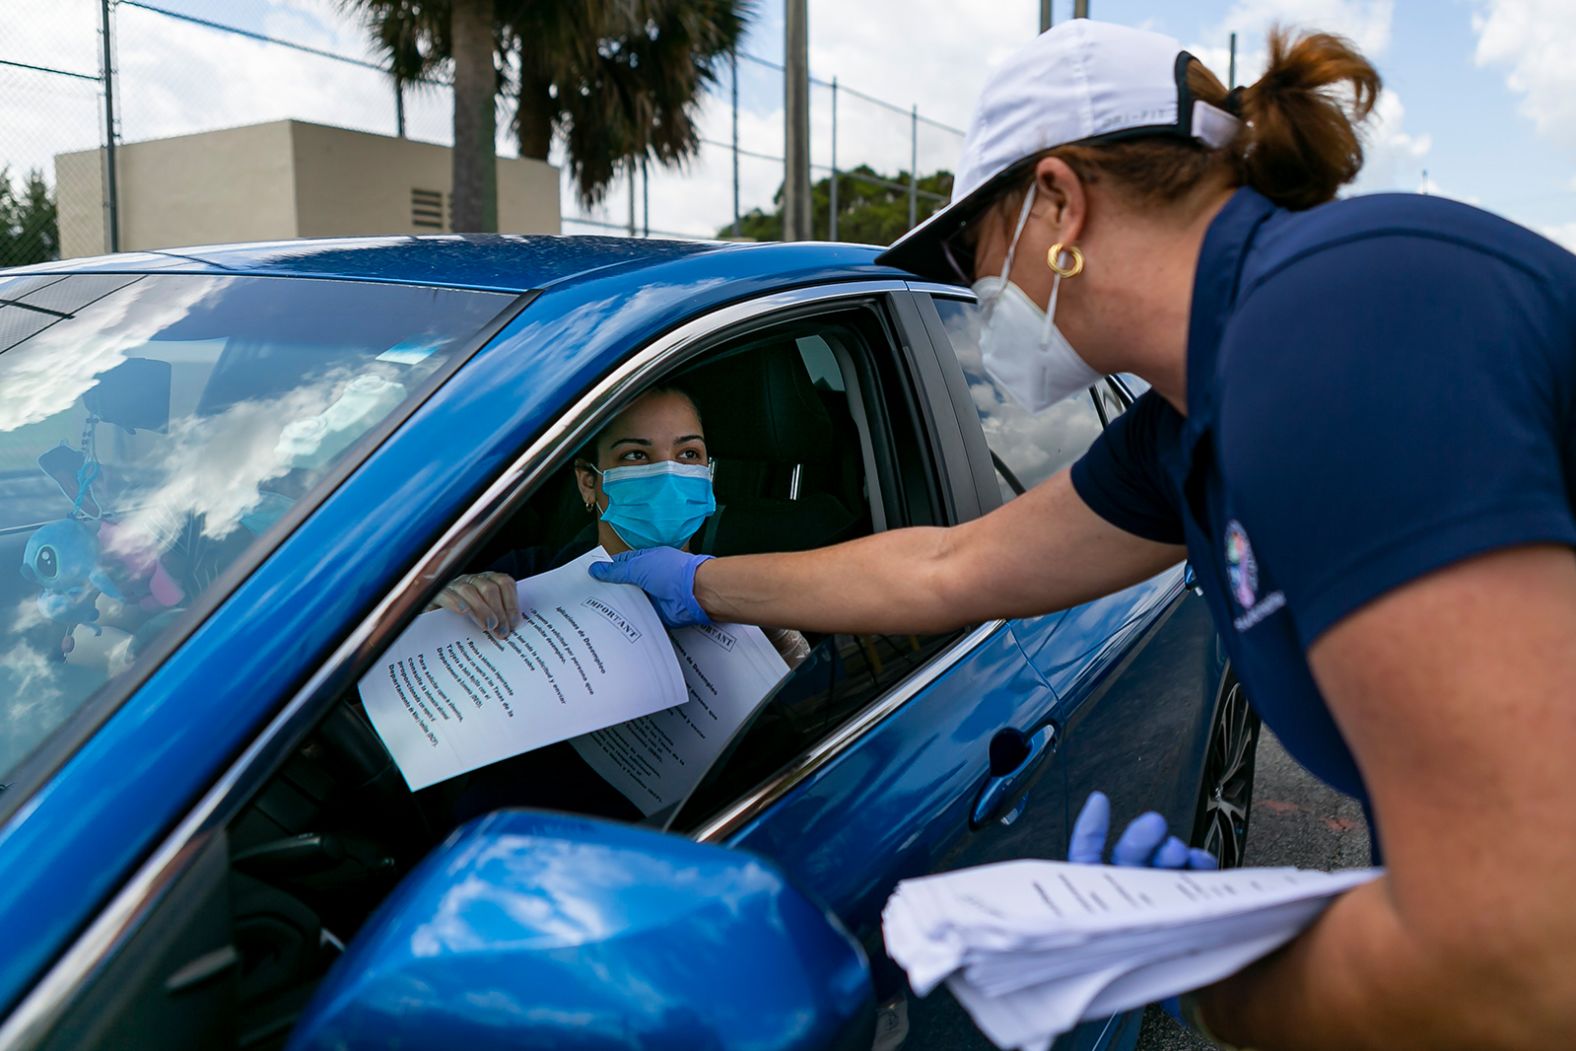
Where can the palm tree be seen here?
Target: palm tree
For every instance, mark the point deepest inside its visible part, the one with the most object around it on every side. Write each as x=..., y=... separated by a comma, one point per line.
x=620, y=80
x=417, y=37
x=475, y=207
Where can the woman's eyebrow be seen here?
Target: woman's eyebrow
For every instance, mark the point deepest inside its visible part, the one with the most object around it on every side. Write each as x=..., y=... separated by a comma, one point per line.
x=689, y=438
x=629, y=441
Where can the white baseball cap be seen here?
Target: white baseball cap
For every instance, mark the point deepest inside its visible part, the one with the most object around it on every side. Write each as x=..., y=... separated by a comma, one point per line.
x=1079, y=82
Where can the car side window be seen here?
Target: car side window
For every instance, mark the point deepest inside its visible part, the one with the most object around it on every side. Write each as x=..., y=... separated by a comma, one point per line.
x=857, y=364
x=1026, y=448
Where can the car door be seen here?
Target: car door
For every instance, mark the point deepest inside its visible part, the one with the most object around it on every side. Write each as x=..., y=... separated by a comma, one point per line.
x=945, y=765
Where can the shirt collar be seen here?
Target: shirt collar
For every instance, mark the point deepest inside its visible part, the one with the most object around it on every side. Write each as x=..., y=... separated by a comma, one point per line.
x=1215, y=287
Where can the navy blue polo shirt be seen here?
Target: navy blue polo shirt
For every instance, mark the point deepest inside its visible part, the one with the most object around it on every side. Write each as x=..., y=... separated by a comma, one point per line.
x=1377, y=387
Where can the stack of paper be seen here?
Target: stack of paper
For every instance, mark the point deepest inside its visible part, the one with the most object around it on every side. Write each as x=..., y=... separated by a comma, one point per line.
x=1031, y=948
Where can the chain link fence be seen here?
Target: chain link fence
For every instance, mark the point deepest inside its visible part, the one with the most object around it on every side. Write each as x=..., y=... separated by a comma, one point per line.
x=84, y=82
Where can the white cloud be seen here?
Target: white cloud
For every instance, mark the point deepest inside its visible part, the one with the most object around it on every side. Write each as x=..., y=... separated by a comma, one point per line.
x=1533, y=41
x=1561, y=233
x=1365, y=22
x=1394, y=157
x=62, y=362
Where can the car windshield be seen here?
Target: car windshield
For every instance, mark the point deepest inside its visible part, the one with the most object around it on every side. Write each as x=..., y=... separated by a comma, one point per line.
x=153, y=428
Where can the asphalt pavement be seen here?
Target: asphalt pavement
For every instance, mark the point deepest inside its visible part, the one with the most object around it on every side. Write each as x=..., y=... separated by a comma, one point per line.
x=1296, y=821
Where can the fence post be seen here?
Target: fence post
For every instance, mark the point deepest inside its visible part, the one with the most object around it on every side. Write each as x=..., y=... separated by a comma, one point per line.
x=630, y=173
x=913, y=167
x=831, y=209
x=111, y=187
x=735, y=82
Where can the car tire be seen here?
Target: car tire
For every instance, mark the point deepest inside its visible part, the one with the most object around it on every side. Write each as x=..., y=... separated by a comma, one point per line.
x=1225, y=801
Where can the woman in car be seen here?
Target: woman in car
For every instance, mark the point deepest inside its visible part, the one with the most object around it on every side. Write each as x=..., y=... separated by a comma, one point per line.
x=646, y=483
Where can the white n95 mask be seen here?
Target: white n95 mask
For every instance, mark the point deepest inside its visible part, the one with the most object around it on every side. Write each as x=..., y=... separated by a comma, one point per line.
x=1021, y=348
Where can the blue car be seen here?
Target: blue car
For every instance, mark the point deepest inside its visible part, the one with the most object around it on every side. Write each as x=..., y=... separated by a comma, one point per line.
x=231, y=476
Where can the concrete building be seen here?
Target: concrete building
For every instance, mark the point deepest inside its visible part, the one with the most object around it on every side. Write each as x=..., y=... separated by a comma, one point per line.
x=283, y=179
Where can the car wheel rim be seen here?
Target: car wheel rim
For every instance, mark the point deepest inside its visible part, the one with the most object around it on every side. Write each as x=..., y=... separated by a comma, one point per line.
x=1228, y=786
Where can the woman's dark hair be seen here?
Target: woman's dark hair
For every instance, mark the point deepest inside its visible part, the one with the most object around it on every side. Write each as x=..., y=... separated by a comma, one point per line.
x=595, y=444
x=1299, y=141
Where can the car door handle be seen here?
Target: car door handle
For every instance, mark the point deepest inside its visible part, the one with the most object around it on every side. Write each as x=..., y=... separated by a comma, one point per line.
x=1014, y=757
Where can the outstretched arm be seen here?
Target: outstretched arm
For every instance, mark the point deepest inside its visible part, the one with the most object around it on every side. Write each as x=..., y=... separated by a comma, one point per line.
x=1044, y=551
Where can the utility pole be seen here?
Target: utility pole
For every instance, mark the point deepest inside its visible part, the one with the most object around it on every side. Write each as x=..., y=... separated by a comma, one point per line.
x=1045, y=15
x=111, y=188
x=734, y=81
x=796, y=105
x=831, y=208
x=1080, y=8
x=1231, y=77
x=913, y=167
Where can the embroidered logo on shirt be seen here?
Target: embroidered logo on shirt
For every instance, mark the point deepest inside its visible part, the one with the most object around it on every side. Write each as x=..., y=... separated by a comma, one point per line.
x=1242, y=572
x=1242, y=569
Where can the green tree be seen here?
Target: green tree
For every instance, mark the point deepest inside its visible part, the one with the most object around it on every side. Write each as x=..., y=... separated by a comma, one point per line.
x=621, y=81
x=872, y=208
x=29, y=227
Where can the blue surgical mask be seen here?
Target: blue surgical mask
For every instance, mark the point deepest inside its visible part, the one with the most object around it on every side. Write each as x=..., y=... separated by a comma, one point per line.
x=657, y=504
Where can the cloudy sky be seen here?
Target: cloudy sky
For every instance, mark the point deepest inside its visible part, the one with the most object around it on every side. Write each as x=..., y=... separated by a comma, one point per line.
x=1480, y=99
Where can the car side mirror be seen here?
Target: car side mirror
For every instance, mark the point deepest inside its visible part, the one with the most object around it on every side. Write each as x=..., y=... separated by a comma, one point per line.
x=534, y=930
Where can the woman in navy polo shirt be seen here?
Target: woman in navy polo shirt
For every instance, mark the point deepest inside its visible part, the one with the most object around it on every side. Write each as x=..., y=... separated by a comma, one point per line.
x=1359, y=433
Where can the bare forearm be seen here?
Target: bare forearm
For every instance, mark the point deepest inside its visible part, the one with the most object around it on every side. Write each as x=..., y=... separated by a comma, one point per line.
x=1362, y=978
x=890, y=582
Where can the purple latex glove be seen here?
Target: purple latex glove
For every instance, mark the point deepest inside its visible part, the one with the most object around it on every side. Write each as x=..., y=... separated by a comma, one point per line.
x=666, y=575
x=1143, y=844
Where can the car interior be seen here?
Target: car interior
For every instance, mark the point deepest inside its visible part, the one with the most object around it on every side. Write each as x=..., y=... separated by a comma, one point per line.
x=815, y=441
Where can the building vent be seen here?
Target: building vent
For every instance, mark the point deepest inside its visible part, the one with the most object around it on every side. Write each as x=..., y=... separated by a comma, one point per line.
x=426, y=209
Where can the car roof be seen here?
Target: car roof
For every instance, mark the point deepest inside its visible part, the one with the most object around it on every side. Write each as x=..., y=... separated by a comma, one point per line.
x=498, y=262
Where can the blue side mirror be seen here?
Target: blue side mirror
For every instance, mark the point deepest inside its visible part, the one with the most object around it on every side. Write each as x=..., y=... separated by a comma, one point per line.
x=533, y=930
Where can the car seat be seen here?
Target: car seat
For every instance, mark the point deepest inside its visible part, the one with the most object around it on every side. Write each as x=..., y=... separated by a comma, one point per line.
x=786, y=467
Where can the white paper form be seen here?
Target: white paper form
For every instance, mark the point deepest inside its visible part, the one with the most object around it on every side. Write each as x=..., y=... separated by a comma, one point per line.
x=1031, y=948
x=447, y=698
x=655, y=761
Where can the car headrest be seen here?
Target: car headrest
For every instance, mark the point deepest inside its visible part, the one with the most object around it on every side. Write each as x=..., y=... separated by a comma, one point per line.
x=761, y=405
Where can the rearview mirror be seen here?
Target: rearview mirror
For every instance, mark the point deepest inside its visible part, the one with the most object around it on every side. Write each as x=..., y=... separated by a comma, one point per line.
x=134, y=394
x=531, y=930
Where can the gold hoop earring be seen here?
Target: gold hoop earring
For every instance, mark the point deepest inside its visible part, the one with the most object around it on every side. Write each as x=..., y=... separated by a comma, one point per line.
x=590, y=507
x=1053, y=259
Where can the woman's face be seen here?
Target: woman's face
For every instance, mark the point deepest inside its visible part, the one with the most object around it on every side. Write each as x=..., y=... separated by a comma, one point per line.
x=662, y=425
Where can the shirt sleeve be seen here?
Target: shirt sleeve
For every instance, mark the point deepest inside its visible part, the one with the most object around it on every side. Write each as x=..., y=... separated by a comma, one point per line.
x=1123, y=477
x=1388, y=407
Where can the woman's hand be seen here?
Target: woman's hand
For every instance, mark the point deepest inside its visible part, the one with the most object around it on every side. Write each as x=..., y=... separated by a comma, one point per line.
x=488, y=599
x=1146, y=843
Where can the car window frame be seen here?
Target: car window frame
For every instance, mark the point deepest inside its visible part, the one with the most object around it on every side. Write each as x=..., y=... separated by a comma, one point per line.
x=929, y=407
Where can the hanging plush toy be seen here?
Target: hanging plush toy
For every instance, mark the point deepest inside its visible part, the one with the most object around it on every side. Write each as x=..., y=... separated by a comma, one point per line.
x=61, y=558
